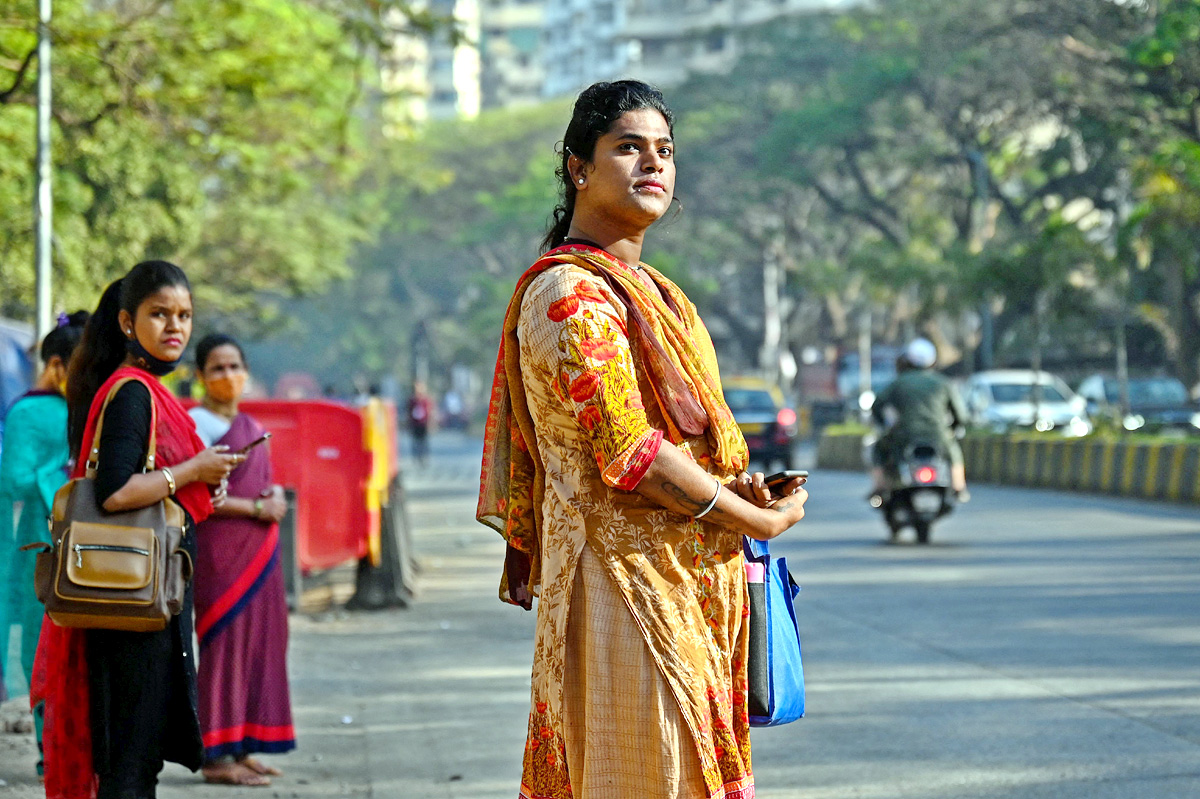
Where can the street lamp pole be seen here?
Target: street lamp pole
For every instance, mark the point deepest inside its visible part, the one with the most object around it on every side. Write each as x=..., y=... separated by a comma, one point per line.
x=42, y=209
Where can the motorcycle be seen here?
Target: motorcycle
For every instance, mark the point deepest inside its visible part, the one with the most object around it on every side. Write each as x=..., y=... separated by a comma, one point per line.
x=918, y=491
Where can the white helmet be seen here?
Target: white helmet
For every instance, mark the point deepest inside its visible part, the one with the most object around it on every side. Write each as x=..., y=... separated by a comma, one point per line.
x=921, y=353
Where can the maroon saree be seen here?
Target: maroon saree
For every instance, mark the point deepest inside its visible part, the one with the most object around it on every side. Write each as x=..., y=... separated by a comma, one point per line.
x=241, y=620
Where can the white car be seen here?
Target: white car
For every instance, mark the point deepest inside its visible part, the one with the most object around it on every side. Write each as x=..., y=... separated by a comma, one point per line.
x=1003, y=399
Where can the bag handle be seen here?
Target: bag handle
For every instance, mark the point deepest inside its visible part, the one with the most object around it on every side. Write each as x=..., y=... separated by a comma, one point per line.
x=93, y=460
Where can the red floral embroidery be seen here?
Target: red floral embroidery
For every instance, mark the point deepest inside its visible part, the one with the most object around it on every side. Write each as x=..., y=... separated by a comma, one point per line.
x=584, y=387
x=598, y=349
x=562, y=308
x=589, y=417
x=587, y=291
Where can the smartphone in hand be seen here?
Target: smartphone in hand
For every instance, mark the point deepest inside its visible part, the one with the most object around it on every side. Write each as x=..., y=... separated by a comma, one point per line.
x=260, y=440
x=776, y=480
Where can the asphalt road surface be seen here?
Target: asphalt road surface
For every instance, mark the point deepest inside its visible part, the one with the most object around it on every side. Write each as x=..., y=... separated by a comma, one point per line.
x=1044, y=645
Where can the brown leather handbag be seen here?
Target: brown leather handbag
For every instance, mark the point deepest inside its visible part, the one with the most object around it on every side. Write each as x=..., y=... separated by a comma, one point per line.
x=113, y=571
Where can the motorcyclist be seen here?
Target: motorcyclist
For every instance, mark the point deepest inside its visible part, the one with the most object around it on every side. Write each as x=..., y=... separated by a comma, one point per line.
x=919, y=405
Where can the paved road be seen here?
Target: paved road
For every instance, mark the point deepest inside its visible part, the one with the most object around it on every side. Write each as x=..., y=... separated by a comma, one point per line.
x=1045, y=645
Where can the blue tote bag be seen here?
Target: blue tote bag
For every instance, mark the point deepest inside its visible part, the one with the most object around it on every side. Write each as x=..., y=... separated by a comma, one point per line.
x=775, y=673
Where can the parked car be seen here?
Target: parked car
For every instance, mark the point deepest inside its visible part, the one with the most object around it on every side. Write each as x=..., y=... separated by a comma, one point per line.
x=767, y=422
x=1003, y=399
x=1155, y=403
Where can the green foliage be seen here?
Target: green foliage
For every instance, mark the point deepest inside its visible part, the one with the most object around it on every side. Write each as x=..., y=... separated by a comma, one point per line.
x=224, y=135
x=463, y=205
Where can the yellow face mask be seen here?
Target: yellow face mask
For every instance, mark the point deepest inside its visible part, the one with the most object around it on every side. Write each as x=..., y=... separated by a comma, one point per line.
x=226, y=389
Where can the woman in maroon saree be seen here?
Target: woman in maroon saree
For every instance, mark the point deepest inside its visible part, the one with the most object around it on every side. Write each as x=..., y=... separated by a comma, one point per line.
x=241, y=611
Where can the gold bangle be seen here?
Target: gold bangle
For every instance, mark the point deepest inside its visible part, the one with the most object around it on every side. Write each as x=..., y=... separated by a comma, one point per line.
x=170, y=481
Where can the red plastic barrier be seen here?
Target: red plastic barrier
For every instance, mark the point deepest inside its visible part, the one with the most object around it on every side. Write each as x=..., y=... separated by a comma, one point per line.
x=317, y=451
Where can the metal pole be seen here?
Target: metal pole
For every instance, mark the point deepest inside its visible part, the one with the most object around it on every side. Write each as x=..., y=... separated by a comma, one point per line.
x=42, y=208
x=768, y=354
x=1124, y=207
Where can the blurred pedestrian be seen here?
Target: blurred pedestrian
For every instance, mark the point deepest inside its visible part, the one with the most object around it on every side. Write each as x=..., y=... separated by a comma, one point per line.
x=120, y=703
x=614, y=470
x=420, y=417
x=33, y=466
x=241, y=608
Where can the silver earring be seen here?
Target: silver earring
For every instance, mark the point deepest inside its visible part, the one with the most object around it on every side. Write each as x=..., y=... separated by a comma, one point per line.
x=129, y=332
x=581, y=181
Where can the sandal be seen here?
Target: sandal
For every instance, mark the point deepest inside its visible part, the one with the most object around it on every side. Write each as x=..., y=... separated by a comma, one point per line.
x=259, y=767
x=234, y=774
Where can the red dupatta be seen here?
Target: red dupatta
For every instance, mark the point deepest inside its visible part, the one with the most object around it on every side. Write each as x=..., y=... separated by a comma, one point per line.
x=60, y=677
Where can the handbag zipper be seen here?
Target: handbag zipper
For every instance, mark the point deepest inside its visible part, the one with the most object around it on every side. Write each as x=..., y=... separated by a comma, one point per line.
x=81, y=548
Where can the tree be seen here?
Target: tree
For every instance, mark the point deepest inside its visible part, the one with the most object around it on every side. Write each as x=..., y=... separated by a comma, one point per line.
x=223, y=135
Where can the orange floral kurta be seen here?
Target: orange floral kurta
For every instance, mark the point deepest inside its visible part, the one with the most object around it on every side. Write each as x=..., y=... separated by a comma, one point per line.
x=598, y=424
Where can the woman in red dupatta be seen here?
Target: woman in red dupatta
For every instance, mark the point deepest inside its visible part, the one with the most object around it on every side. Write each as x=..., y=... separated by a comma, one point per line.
x=118, y=704
x=607, y=457
x=241, y=609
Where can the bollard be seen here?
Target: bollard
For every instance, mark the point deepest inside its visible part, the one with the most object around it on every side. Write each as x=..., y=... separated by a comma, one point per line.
x=391, y=583
x=289, y=560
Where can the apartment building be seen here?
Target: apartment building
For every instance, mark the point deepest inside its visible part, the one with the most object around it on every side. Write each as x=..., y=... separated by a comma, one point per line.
x=519, y=52
x=440, y=77
x=658, y=41
x=511, y=52
x=583, y=41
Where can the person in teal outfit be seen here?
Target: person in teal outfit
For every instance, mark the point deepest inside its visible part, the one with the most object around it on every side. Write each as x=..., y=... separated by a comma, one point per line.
x=33, y=466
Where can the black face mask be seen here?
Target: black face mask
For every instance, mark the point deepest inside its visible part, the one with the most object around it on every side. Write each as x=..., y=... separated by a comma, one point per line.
x=145, y=360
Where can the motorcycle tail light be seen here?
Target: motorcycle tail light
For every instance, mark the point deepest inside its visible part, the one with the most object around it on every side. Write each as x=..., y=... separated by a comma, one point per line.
x=926, y=474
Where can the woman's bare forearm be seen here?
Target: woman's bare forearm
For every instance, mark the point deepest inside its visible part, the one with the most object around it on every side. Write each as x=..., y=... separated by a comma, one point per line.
x=139, y=491
x=237, y=507
x=675, y=482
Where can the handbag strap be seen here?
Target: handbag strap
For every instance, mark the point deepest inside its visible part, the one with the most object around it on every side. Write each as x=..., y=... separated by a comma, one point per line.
x=753, y=548
x=93, y=460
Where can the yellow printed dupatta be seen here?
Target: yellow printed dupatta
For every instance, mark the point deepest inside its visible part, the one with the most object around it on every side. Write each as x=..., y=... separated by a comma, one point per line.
x=512, y=480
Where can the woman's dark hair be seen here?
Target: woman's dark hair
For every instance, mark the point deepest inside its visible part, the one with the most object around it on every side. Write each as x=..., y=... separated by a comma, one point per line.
x=62, y=340
x=597, y=108
x=210, y=343
x=102, y=348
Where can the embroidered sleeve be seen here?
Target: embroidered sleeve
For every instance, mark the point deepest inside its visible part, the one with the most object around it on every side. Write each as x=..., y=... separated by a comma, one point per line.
x=577, y=338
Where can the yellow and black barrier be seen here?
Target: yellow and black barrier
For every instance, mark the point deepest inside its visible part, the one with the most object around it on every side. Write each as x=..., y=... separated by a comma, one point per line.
x=1150, y=469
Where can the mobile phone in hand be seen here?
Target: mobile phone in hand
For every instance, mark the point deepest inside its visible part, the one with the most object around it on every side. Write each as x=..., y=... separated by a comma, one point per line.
x=779, y=478
x=260, y=440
